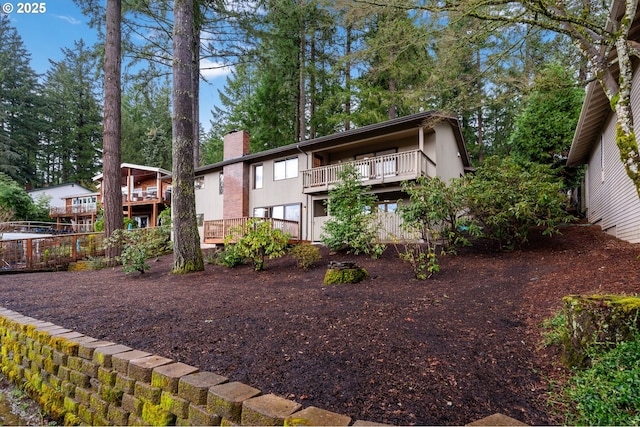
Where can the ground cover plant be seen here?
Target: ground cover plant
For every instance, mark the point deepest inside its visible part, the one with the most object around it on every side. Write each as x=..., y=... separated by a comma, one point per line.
x=463, y=345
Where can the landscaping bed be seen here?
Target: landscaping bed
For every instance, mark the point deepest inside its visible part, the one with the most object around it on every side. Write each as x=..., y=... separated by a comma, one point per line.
x=445, y=351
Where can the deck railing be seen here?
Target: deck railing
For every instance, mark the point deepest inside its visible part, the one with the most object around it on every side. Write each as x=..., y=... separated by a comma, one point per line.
x=39, y=227
x=88, y=208
x=215, y=231
x=49, y=253
x=380, y=169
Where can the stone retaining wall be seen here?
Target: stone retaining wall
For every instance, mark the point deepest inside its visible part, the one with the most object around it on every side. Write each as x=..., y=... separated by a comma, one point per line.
x=83, y=380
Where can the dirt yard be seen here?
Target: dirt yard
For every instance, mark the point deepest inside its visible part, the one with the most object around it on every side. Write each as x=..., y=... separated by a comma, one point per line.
x=446, y=351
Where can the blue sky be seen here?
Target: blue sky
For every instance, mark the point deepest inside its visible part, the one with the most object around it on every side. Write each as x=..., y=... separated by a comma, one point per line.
x=45, y=34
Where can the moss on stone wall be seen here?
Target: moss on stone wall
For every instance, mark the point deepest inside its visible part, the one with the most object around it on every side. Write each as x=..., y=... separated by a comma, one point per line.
x=602, y=320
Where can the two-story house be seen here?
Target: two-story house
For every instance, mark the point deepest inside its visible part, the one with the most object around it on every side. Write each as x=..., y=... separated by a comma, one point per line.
x=146, y=191
x=290, y=184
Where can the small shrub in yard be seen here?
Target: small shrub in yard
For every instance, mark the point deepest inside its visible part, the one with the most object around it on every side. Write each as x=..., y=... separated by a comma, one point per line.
x=229, y=256
x=422, y=258
x=258, y=240
x=306, y=254
x=138, y=246
x=351, y=226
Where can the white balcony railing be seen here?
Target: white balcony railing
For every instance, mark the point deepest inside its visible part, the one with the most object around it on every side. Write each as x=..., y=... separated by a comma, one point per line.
x=375, y=170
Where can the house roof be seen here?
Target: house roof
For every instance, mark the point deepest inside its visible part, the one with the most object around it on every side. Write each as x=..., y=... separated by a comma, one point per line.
x=427, y=119
x=142, y=170
x=596, y=108
x=74, y=185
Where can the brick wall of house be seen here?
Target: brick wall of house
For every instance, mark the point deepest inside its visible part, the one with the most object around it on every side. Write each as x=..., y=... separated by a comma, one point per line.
x=236, y=176
x=86, y=381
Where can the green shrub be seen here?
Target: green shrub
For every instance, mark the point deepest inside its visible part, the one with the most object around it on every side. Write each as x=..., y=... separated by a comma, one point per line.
x=608, y=393
x=306, y=254
x=422, y=258
x=554, y=330
x=258, y=239
x=351, y=226
x=137, y=246
x=229, y=256
x=505, y=197
x=434, y=211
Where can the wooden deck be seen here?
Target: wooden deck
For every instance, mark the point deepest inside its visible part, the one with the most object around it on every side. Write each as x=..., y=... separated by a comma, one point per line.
x=49, y=253
x=215, y=231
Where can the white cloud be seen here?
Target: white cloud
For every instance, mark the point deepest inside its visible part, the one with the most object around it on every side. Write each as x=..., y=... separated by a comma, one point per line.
x=69, y=19
x=212, y=70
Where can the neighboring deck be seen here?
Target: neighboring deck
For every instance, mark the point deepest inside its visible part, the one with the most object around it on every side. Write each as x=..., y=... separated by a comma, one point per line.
x=48, y=252
x=215, y=231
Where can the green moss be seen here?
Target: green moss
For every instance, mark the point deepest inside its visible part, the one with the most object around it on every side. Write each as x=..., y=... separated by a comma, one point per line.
x=628, y=147
x=71, y=419
x=597, y=320
x=111, y=395
x=189, y=267
x=156, y=415
x=347, y=275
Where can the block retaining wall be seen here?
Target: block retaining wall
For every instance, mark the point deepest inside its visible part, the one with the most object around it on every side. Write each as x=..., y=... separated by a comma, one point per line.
x=83, y=380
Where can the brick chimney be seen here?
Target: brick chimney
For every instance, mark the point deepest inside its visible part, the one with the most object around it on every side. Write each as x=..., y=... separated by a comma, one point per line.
x=236, y=144
x=236, y=176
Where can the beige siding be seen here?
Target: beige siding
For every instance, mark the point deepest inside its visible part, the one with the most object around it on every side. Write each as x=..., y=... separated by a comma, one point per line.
x=209, y=199
x=280, y=192
x=448, y=161
x=612, y=200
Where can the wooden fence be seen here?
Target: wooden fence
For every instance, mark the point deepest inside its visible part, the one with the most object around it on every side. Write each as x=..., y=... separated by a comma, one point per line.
x=49, y=253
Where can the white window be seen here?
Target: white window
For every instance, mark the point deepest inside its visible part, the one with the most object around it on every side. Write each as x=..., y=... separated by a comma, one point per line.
x=285, y=169
x=258, y=174
x=221, y=184
x=260, y=212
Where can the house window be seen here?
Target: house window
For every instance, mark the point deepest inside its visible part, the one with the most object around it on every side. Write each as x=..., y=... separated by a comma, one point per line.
x=199, y=183
x=258, y=173
x=200, y=219
x=387, y=206
x=261, y=212
x=285, y=169
x=288, y=212
x=221, y=184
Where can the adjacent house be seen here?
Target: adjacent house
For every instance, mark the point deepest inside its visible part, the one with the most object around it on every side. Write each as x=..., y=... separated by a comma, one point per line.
x=609, y=197
x=58, y=193
x=290, y=184
x=146, y=191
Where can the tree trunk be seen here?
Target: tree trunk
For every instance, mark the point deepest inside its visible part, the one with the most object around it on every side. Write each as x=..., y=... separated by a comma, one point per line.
x=187, y=255
x=347, y=80
x=302, y=77
x=111, y=184
x=480, y=116
x=196, y=85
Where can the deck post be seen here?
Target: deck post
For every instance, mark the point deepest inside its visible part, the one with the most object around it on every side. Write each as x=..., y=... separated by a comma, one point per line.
x=29, y=253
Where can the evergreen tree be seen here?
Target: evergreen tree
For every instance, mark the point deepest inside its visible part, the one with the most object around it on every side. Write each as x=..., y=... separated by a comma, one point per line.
x=544, y=130
x=395, y=60
x=20, y=123
x=146, y=125
x=71, y=152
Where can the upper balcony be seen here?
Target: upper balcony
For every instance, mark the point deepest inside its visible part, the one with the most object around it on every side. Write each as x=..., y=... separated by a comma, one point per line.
x=79, y=209
x=140, y=196
x=385, y=169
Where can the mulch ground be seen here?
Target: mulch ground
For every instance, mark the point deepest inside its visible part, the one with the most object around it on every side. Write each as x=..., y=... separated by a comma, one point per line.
x=446, y=351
